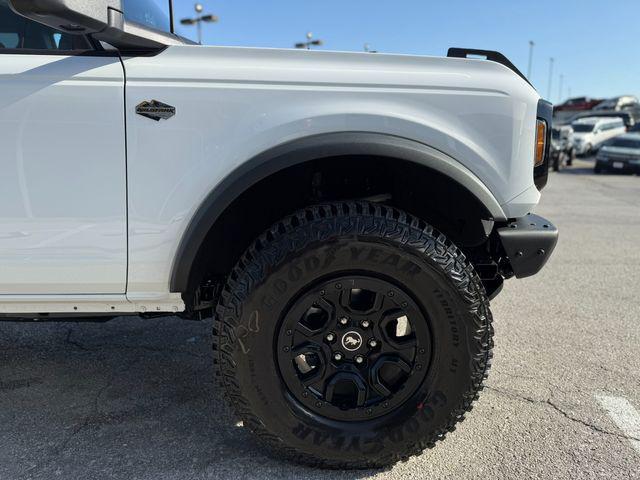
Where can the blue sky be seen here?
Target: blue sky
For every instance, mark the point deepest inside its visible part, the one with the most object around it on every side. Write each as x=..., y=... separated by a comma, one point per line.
x=595, y=43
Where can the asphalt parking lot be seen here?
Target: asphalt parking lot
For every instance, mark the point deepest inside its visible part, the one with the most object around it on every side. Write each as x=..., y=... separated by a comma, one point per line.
x=134, y=399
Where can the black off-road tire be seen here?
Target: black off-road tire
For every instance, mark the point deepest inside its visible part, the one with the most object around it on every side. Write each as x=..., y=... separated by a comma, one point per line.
x=311, y=246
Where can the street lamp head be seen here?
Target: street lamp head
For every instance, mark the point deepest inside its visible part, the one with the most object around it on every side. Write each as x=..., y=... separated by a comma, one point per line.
x=187, y=21
x=309, y=43
x=209, y=18
x=199, y=8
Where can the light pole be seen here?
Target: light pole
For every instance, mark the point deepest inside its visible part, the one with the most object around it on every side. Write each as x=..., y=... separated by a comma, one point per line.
x=199, y=19
x=531, y=45
x=309, y=43
x=551, y=60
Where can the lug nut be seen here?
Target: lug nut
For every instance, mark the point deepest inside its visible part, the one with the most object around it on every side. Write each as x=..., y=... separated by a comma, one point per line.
x=337, y=356
x=330, y=337
x=344, y=320
x=365, y=324
x=359, y=359
x=373, y=343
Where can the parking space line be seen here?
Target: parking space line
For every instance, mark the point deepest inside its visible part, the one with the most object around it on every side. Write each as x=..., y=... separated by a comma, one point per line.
x=624, y=415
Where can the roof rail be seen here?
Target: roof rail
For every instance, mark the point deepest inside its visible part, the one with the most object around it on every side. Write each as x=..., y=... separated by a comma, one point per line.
x=488, y=55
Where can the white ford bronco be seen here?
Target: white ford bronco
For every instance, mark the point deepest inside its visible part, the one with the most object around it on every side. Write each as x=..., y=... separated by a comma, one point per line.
x=344, y=218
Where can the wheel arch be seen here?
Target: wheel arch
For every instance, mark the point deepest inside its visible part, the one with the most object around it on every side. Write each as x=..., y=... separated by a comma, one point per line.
x=307, y=149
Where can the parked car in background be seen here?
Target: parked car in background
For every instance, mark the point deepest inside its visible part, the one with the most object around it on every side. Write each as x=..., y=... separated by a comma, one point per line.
x=621, y=154
x=629, y=117
x=562, y=149
x=591, y=132
x=616, y=104
x=578, y=103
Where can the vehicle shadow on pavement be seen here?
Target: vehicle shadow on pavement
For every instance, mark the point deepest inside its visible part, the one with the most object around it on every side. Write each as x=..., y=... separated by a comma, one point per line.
x=130, y=399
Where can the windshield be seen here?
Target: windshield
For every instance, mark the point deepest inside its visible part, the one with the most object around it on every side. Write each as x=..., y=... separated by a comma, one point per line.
x=150, y=13
x=582, y=127
x=624, y=143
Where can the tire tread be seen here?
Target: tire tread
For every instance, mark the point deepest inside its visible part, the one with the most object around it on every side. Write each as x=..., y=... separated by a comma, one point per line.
x=315, y=224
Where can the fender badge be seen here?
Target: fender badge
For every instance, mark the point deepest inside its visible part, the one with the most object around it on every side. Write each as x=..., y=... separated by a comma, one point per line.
x=156, y=110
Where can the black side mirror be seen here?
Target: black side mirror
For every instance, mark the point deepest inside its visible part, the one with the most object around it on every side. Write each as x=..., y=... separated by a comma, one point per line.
x=78, y=17
x=102, y=19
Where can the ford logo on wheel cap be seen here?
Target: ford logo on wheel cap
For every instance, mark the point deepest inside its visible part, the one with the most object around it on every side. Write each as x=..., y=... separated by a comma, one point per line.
x=351, y=341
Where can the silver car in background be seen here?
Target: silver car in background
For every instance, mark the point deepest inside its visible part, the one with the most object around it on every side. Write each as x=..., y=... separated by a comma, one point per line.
x=591, y=132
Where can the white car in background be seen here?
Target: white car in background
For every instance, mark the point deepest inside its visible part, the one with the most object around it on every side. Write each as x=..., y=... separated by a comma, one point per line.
x=591, y=132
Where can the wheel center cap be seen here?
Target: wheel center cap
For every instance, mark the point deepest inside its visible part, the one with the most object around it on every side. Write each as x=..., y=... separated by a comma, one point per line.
x=351, y=341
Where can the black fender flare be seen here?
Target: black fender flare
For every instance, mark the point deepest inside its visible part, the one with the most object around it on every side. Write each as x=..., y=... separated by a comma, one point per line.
x=307, y=149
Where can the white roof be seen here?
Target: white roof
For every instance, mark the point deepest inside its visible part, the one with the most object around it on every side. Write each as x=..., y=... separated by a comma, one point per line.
x=594, y=120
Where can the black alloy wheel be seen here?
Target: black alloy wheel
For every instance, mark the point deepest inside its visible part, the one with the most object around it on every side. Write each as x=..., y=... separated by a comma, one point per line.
x=353, y=348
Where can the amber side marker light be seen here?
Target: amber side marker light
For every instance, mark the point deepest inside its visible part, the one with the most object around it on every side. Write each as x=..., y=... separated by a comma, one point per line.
x=541, y=142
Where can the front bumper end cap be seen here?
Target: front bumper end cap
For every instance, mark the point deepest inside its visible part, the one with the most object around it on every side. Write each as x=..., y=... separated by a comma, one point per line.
x=528, y=242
